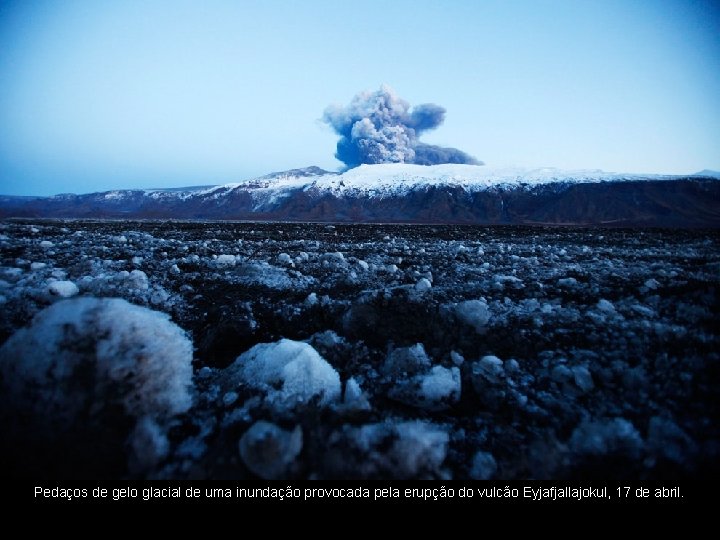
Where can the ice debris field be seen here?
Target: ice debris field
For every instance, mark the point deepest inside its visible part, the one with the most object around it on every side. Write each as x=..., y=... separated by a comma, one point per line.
x=246, y=350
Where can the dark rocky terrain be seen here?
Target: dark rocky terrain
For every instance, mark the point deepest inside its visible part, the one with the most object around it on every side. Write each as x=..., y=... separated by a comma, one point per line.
x=417, y=351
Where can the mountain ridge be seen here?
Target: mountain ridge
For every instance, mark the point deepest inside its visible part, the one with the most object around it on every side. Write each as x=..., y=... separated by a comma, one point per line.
x=413, y=194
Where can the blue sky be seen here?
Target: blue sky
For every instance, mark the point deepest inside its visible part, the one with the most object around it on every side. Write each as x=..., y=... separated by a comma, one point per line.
x=102, y=94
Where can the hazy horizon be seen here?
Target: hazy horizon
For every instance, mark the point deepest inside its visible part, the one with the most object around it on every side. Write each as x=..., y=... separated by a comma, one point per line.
x=121, y=95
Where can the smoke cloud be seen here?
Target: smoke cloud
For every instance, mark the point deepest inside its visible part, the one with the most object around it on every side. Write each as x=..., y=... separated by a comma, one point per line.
x=380, y=127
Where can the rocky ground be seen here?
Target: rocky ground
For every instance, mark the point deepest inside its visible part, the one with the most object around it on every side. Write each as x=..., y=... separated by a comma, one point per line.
x=345, y=351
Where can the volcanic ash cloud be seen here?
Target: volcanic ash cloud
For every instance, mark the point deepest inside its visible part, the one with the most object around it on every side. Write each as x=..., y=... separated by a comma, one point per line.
x=380, y=127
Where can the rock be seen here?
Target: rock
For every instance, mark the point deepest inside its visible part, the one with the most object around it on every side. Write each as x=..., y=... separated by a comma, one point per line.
x=58, y=274
x=354, y=398
x=607, y=436
x=483, y=467
x=268, y=451
x=389, y=449
x=512, y=366
x=652, y=284
x=285, y=259
x=667, y=440
x=635, y=379
x=583, y=378
x=561, y=374
x=137, y=279
x=229, y=398
x=491, y=368
x=606, y=306
x=326, y=340
x=457, y=358
x=335, y=257
x=644, y=311
x=423, y=285
x=148, y=446
x=435, y=390
x=406, y=360
x=63, y=289
x=474, y=313
x=225, y=261
x=488, y=380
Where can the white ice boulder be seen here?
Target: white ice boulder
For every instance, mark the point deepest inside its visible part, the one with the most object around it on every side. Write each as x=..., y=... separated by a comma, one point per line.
x=63, y=289
x=93, y=365
x=474, y=313
x=225, y=261
x=292, y=373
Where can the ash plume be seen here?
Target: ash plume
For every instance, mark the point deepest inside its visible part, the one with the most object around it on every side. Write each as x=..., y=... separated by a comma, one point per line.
x=380, y=127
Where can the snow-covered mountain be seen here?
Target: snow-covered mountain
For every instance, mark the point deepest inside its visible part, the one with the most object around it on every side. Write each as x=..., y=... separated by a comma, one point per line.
x=412, y=193
x=397, y=179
